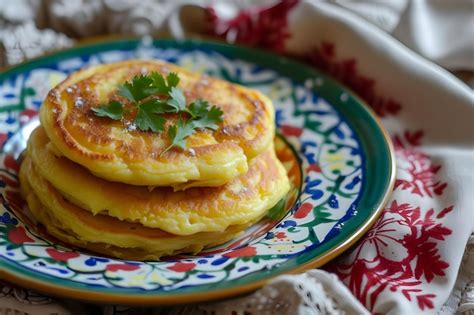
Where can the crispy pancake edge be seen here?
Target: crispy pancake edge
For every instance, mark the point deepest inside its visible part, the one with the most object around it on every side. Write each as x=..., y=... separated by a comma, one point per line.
x=53, y=211
x=184, y=213
x=187, y=167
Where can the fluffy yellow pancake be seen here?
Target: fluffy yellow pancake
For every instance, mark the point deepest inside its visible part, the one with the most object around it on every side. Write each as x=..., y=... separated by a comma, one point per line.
x=105, y=234
x=116, y=151
x=198, y=209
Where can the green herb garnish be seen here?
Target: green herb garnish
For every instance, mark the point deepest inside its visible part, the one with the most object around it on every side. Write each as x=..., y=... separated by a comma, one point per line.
x=112, y=110
x=177, y=133
x=147, y=120
x=170, y=99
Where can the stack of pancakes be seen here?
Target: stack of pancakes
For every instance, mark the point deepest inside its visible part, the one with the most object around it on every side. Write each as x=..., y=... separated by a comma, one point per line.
x=104, y=185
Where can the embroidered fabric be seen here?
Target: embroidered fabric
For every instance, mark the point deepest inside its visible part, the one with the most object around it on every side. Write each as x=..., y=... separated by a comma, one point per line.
x=313, y=292
x=461, y=300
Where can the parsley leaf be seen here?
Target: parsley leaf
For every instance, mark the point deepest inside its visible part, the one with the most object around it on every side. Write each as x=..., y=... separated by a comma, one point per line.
x=113, y=110
x=156, y=106
x=177, y=101
x=159, y=83
x=172, y=100
x=147, y=119
x=177, y=134
x=209, y=119
x=137, y=89
x=198, y=108
x=162, y=86
x=172, y=79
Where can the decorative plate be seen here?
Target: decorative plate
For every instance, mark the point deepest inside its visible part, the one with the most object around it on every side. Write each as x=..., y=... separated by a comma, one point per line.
x=337, y=154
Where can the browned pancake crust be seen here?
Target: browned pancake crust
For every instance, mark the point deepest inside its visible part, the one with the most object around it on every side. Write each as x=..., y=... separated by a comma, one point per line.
x=83, y=137
x=117, y=238
x=197, y=209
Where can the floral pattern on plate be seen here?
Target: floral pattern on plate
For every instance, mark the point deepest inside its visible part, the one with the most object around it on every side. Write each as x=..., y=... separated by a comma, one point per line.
x=318, y=146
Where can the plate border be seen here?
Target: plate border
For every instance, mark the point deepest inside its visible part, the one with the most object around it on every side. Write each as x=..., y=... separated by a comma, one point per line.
x=168, y=299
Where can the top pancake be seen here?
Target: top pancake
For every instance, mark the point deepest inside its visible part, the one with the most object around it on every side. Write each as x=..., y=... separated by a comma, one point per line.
x=115, y=151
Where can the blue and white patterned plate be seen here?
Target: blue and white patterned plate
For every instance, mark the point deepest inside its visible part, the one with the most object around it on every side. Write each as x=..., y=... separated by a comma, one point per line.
x=338, y=157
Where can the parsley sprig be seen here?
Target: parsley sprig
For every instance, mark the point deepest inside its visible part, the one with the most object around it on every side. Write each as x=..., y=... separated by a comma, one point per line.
x=141, y=92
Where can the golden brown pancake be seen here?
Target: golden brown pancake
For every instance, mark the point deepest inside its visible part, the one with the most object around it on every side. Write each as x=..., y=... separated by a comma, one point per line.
x=198, y=209
x=116, y=151
x=105, y=234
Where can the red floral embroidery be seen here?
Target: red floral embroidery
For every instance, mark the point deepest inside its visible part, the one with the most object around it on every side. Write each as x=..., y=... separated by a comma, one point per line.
x=416, y=172
x=408, y=139
x=424, y=301
x=268, y=28
x=345, y=70
x=399, y=250
x=444, y=212
x=264, y=26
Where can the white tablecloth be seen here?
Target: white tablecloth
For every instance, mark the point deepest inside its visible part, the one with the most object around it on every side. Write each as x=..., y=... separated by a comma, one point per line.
x=417, y=245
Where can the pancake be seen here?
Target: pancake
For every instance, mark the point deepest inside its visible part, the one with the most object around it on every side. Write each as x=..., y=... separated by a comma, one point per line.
x=116, y=151
x=198, y=209
x=105, y=234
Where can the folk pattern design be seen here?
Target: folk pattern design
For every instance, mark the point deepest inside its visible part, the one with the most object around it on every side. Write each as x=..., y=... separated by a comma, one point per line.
x=401, y=251
x=330, y=176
